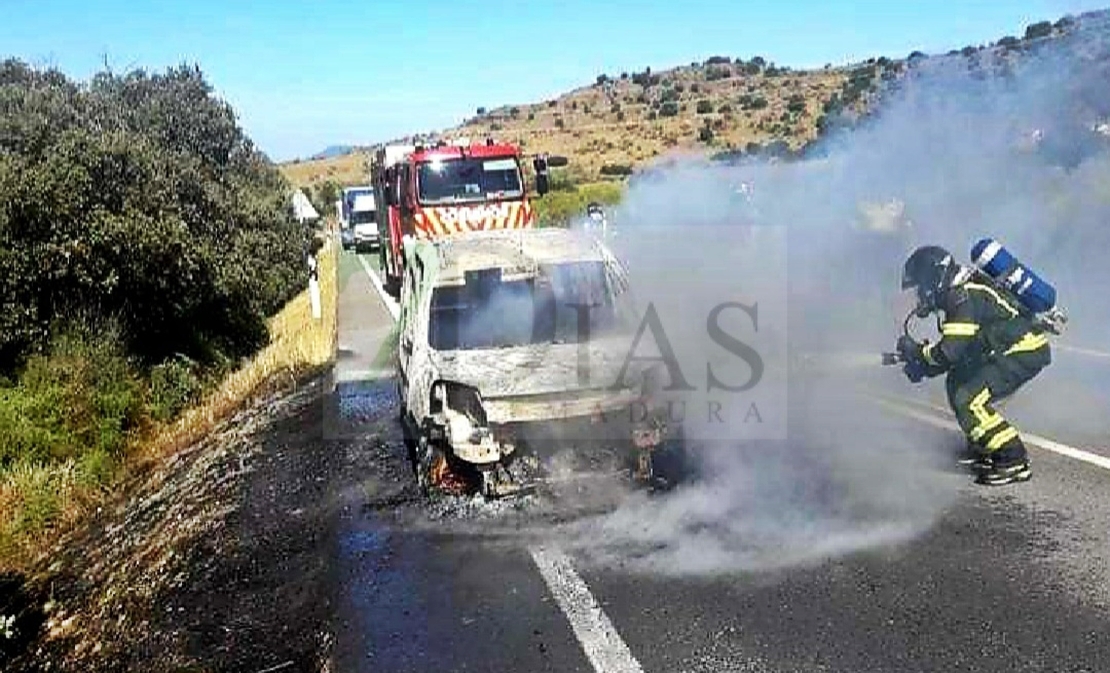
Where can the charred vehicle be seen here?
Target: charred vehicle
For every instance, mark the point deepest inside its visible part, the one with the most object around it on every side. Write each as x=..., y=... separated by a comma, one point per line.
x=514, y=354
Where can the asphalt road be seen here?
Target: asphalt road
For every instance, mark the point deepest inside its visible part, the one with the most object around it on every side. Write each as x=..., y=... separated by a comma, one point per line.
x=894, y=561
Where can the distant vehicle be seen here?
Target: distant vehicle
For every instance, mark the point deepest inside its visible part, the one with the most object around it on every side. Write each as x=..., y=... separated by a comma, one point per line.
x=491, y=393
x=347, y=201
x=364, y=223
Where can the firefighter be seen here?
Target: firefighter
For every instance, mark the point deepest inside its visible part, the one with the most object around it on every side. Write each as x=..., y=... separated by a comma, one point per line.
x=595, y=219
x=989, y=349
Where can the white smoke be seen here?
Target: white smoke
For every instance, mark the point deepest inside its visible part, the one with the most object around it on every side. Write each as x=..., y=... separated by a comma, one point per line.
x=1009, y=157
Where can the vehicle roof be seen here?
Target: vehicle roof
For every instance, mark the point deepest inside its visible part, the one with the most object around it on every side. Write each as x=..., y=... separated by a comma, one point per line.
x=392, y=154
x=518, y=252
x=480, y=151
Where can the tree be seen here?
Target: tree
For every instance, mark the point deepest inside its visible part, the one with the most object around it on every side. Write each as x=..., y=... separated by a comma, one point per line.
x=602, y=79
x=704, y=107
x=705, y=135
x=481, y=111
x=752, y=102
x=668, y=109
x=796, y=104
x=1038, y=30
x=139, y=199
x=328, y=192
x=616, y=170
x=717, y=72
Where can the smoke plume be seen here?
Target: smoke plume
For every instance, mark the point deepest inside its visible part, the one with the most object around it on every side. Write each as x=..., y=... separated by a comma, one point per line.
x=965, y=148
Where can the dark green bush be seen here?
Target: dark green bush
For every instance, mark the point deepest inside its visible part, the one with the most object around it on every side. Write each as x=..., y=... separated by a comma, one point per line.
x=616, y=170
x=137, y=197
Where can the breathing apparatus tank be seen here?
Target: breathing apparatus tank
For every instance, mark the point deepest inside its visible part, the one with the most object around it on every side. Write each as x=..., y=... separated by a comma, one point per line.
x=1035, y=294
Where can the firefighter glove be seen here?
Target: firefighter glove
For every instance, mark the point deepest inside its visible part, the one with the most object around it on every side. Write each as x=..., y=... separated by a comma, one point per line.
x=910, y=350
x=914, y=370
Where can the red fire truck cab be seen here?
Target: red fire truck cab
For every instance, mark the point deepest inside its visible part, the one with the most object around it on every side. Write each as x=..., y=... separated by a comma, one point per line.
x=428, y=192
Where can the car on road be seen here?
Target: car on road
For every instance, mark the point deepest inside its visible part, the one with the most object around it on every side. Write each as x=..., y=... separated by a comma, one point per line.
x=501, y=382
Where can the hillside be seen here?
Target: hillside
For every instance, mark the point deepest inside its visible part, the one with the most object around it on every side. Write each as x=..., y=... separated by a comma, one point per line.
x=629, y=119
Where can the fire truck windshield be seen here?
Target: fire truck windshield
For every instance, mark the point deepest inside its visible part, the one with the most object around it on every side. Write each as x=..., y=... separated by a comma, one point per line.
x=468, y=180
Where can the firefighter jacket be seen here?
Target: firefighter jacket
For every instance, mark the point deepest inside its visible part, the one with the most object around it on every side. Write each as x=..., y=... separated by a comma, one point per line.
x=982, y=324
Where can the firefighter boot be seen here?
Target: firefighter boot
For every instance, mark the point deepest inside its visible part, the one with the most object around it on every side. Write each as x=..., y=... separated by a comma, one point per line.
x=970, y=455
x=1005, y=467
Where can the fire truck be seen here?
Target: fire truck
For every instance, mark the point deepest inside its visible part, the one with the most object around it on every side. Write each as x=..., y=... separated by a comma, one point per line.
x=447, y=189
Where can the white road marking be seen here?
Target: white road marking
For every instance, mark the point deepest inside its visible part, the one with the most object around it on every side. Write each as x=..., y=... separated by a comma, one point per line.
x=1082, y=351
x=1034, y=440
x=599, y=639
x=391, y=304
x=603, y=646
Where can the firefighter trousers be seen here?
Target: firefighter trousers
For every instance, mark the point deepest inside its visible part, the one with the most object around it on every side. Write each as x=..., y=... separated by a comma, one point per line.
x=973, y=393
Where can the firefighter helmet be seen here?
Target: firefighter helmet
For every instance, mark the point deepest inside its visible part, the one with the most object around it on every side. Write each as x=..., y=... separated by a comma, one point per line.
x=929, y=270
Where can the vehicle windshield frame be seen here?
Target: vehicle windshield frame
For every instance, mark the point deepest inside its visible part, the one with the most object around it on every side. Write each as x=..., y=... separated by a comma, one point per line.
x=426, y=172
x=356, y=219
x=479, y=319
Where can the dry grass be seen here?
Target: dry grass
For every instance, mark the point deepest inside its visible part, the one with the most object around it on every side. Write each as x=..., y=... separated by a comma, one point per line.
x=38, y=502
x=349, y=169
x=613, y=123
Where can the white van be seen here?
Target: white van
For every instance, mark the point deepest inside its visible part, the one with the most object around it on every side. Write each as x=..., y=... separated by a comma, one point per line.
x=364, y=222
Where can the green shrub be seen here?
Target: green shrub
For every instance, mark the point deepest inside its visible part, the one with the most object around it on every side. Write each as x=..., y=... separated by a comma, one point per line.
x=562, y=207
x=618, y=170
x=82, y=397
x=173, y=386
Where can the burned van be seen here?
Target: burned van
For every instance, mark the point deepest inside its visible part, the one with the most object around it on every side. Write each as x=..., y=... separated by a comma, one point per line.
x=514, y=361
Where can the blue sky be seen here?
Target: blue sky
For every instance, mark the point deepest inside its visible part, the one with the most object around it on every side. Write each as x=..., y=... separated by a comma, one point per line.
x=304, y=75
